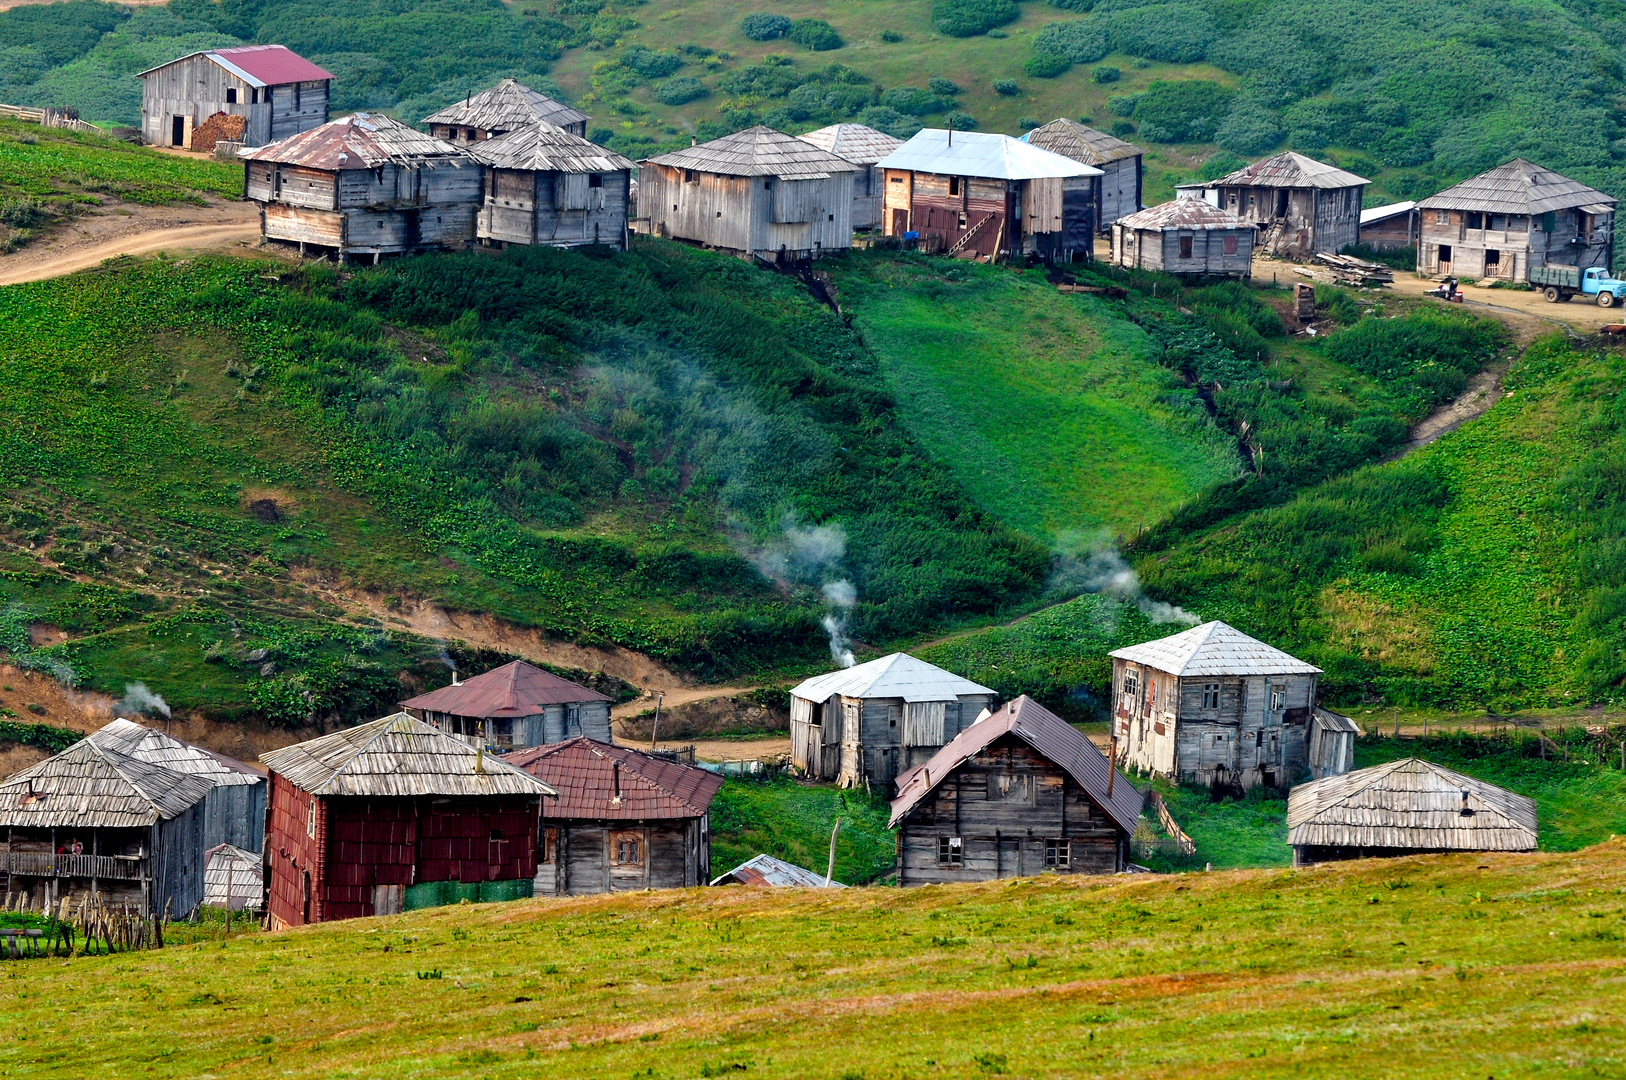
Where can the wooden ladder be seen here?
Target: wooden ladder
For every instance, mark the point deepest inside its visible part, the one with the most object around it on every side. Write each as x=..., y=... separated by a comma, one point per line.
x=970, y=234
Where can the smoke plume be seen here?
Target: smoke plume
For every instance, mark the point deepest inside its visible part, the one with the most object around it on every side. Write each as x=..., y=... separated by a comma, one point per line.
x=842, y=596
x=809, y=554
x=1105, y=571
x=138, y=699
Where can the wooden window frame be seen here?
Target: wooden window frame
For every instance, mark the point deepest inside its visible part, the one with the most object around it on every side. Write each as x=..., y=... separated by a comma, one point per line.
x=1211, y=695
x=951, y=851
x=548, y=849
x=619, y=844
x=310, y=820
x=1058, y=853
x=1187, y=246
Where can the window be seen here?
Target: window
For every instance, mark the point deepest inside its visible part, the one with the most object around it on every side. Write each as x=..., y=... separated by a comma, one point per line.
x=1547, y=222
x=310, y=820
x=950, y=851
x=1493, y=260
x=1230, y=245
x=1131, y=684
x=627, y=849
x=1058, y=853
x=595, y=180
x=1442, y=217
x=296, y=97
x=690, y=177
x=1185, y=247
x=254, y=96
x=231, y=95
x=895, y=179
x=1476, y=220
x=1278, y=698
x=954, y=185
x=549, y=848
x=1211, y=695
x=1259, y=738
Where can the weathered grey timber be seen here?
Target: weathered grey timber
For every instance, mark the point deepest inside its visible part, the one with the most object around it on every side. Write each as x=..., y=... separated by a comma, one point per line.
x=758, y=193
x=863, y=146
x=233, y=878
x=513, y=707
x=506, y=107
x=1390, y=228
x=1212, y=705
x=1118, y=188
x=233, y=811
x=1331, y=750
x=544, y=185
x=1302, y=206
x=774, y=873
x=1020, y=792
x=1185, y=236
x=276, y=90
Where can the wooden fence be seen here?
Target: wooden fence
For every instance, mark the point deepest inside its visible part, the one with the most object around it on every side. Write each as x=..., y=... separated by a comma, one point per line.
x=1183, y=843
x=52, y=117
x=88, y=928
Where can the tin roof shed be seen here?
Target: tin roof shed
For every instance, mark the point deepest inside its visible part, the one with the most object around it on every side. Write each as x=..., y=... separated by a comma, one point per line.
x=506, y=107
x=362, y=141
x=1289, y=170
x=512, y=690
x=856, y=143
x=981, y=153
x=1183, y=213
x=539, y=147
x=258, y=65
x=767, y=870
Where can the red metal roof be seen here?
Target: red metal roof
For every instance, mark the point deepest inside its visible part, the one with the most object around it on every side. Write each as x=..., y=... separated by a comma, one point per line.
x=516, y=689
x=272, y=64
x=587, y=775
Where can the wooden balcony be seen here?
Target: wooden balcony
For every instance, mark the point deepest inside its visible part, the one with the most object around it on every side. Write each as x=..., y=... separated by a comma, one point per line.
x=45, y=864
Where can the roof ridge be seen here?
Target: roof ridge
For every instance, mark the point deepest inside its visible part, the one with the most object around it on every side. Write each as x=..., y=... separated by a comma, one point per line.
x=640, y=774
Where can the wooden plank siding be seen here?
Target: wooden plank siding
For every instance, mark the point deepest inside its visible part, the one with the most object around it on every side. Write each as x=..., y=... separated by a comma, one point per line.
x=993, y=218
x=1457, y=242
x=194, y=88
x=1311, y=219
x=579, y=857
x=388, y=210
x=754, y=216
x=1118, y=190
x=555, y=208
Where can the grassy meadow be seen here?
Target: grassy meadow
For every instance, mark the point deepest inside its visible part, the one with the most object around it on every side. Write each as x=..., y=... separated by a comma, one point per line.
x=792, y=821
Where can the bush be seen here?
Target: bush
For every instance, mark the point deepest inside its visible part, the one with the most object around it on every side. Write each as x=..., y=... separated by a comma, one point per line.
x=1184, y=111
x=815, y=34
x=1080, y=42
x=962, y=121
x=1007, y=88
x=1122, y=128
x=887, y=119
x=764, y=27
x=1028, y=123
x=912, y=101
x=944, y=88
x=968, y=18
x=1046, y=65
x=1399, y=258
x=1105, y=74
x=1122, y=104
x=891, y=37
x=1073, y=5
x=649, y=63
x=1249, y=129
x=680, y=91
x=1221, y=164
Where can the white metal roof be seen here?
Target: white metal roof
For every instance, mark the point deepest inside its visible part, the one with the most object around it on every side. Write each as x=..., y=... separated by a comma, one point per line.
x=857, y=143
x=1381, y=213
x=981, y=153
x=1214, y=649
x=897, y=676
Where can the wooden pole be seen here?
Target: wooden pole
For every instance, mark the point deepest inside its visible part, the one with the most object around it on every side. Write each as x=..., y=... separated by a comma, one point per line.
x=1112, y=761
x=655, y=728
x=830, y=870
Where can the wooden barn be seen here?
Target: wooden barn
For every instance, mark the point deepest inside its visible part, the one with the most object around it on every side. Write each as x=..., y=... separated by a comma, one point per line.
x=233, y=879
x=758, y=193
x=1185, y=236
x=1501, y=223
x=506, y=107
x=544, y=185
x=864, y=725
x=865, y=147
x=1407, y=807
x=278, y=93
x=91, y=822
x=1118, y=188
x=1301, y=206
x=992, y=196
x=1390, y=228
x=364, y=186
x=1020, y=792
x=360, y=816
x=234, y=809
x=1211, y=705
x=513, y=707
x=775, y=873
x=623, y=820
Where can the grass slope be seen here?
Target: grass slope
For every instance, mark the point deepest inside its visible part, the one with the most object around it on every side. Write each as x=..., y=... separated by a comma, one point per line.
x=1482, y=965
x=792, y=821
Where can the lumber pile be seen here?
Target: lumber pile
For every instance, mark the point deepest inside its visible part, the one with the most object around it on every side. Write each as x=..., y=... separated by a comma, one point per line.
x=221, y=127
x=1348, y=270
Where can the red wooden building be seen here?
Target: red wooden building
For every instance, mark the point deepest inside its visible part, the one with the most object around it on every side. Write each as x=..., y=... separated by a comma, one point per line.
x=359, y=816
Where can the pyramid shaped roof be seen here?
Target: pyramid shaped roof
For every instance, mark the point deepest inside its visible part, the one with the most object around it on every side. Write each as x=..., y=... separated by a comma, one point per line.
x=1214, y=649
x=507, y=106
x=856, y=143
x=515, y=689
x=758, y=151
x=89, y=786
x=981, y=153
x=148, y=744
x=1411, y=804
x=1069, y=138
x=1518, y=187
x=1184, y=213
x=896, y=676
x=539, y=147
x=1290, y=170
x=361, y=141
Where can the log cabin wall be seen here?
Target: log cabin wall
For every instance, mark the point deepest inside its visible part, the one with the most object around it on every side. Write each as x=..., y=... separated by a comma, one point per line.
x=581, y=857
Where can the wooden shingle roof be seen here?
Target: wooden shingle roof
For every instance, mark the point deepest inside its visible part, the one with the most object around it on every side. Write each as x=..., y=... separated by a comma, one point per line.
x=1518, y=187
x=147, y=744
x=512, y=690
x=1184, y=213
x=1214, y=648
x=857, y=143
x=757, y=151
x=1410, y=804
x=1069, y=138
x=87, y=786
x=1290, y=170
x=599, y=781
x=505, y=107
x=362, y=141
x=538, y=147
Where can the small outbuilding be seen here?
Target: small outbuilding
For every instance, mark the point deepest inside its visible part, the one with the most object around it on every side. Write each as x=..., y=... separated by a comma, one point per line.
x=234, y=809
x=758, y=193
x=776, y=873
x=233, y=879
x=513, y=707
x=990, y=196
x=865, y=147
x=544, y=185
x=1301, y=206
x=1118, y=188
x=508, y=106
x=864, y=725
x=1331, y=749
x=364, y=186
x=1019, y=792
x=623, y=820
x=1406, y=807
x=361, y=816
x=277, y=92
x=1185, y=236
x=1390, y=228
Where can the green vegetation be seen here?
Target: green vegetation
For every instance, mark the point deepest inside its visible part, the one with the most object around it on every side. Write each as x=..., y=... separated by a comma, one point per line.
x=792, y=821
x=1230, y=834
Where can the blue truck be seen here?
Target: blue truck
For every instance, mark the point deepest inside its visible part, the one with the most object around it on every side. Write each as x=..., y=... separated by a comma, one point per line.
x=1558, y=282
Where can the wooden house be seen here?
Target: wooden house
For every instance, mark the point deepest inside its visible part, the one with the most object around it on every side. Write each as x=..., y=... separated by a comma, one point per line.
x=364, y=186
x=623, y=820
x=990, y=196
x=1501, y=223
x=544, y=185
x=758, y=193
x=1406, y=807
x=866, y=724
x=864, y=147
x=774, y=873
x=1211, y=705
x=233, y=879
x=1020, y=792
x=512, y=707
x=1390, y=228
x=1185, y=236
x=278, y=93
x=359, y=817
x=1301, y=206
x=506, y=107
x=1118, y=188
x=91, y=822
x=234, y=809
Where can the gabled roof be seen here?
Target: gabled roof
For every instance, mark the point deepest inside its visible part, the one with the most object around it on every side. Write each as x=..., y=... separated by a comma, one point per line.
x=1046, y=733
x=1214, y=649
x=1519, y=187
x=1412, y=804
x=757, y=151
x=505, y=107
x=1183, y=213
x=515, y=689
x=767, y=870
x=588, y=774
x=1071, y=139
x=362, y=141
x=856, y=143
x=896, y=676
x=87, y=786
x=258, y=65
x=146, y=744
x=539, y=147
x=981, y=153
x=1290, y=170
x=398, y=755
x=1384, y=213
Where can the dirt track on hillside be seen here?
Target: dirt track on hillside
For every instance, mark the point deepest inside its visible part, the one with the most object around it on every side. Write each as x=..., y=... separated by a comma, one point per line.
x=127, y=229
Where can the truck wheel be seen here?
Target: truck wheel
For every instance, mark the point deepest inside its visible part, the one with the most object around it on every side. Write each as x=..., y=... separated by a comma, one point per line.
x=1606, y=299
x=1551, y=293
x=1567, y=296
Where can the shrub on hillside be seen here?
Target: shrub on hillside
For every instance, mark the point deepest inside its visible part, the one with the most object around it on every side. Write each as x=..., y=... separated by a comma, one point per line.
x=764, y=27
x=649, y=63
x=815, y=34
x=1122, y=128
x=962, y=121
x=912, y=101
x=1105, y=74
x=942, y=87
x=1122, y=104
x=1080, y=6
x=1421, y=345
x=968, y=18
x=1007, y=88
x=891, y=37
x=1080, y=42
x=1184, y=111
x=680, y=91
x=1046, y=65
x=1028, y=123
x=1249, y=129
x=1221, y=164
x=887, y=119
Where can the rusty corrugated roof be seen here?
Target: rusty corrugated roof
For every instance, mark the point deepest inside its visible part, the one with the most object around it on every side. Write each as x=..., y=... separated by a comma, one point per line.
x=362, y=141
x=767, y=870
x=515, y=689
x=588, y=774
x=1183, y=213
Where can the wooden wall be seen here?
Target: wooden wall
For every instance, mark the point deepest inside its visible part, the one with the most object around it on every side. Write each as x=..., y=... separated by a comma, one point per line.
x=1315, y=219
x=556, y=209
x=1159, y=249
x=676, y=854
x=1520, y=242
x=1050, y=217
x=761, y=216
x=194, y=88
x=1392, y=233
x=291, y=854
x=235, y=814
x=388, y=210
x=1120, y=189
x=883, y=737
x=868, y=187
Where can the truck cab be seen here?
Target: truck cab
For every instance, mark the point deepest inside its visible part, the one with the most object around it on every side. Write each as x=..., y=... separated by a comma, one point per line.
x=1559, y=282
x=1596, y=281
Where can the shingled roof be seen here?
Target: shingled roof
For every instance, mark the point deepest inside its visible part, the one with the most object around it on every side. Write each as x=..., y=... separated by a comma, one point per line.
x=88, y=786
x=362, y=141
x=147, y=744
x=598, y=781
x=757, y=151
x=1214, y=649
x=1409, y=804
x=1519, y=187
x=1183, y=213
x=538, y=147
x=1290, y=170
x=982, y=153
x=515, y=689
x=1069, y=138
x=1046, y=733
x=856, y=143
x=898, y=675
x=398, y=756
x=506, y=107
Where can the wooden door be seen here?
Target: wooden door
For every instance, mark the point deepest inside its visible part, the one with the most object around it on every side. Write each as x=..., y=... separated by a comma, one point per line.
x=900, y=222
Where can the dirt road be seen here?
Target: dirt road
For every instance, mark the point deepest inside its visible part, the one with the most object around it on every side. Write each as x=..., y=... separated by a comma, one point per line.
x=125, y=229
